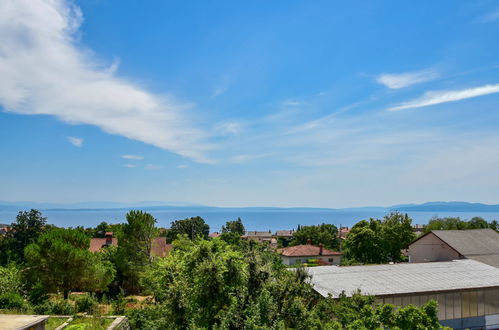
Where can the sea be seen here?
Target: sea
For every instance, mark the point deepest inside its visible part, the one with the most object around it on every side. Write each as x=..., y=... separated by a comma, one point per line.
x=253, y=219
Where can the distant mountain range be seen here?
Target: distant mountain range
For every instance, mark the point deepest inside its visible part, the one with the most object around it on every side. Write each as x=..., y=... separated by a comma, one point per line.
x=157, y=206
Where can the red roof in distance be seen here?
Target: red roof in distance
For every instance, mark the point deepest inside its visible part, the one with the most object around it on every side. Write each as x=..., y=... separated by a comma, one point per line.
x=306, y=250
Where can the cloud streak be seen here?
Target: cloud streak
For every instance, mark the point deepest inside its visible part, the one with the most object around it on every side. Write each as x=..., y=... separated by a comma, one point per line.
x=77, y=142
x=401, y=80
x=135, y=157
x=43, y=70
x=438, y=97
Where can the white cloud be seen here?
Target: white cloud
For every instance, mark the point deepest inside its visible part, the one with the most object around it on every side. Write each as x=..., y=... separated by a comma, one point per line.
x=182, y=166
x=437, y=97
x=44, y=70
x=135, y=157
x=130, y=165
x=77, y=142
x=401, y=80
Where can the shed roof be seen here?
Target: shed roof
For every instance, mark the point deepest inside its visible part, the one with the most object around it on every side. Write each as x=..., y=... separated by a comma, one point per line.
x=306, y=250
x=472, y=241
x=381, y=280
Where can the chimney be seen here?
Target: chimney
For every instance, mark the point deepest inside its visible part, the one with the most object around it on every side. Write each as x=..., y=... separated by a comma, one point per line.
x=321, y=247
x=309, y=241
x=109, y=238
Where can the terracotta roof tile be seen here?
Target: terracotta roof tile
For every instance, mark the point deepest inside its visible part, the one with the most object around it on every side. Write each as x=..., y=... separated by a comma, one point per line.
x=98, y=243
x=305, y=251
x=160, y=248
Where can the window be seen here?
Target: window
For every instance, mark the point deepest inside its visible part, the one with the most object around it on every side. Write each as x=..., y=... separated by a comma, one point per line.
x=331, y=260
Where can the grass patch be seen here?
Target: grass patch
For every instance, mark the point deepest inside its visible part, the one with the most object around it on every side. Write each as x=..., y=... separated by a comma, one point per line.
x=89, y=323
x=54, y=322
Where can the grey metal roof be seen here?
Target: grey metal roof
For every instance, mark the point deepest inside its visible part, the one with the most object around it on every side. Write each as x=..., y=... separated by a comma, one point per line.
x=403, y=278
x=471, y=242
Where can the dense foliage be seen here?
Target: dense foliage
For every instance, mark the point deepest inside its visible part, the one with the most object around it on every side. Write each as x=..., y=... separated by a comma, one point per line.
x=379, y=241
x=235, y=226
x=61, y=261
x=325, y=234
x=219, y=283
x=213, y=285
x=192, y=227
x=456, y=223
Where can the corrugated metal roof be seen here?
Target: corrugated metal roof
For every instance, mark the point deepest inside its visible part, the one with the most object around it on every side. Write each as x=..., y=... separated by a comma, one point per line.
x=404, y=278
x=471, y=242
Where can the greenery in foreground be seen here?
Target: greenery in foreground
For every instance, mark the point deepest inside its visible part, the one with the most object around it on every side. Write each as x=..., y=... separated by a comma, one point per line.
x=221, y=283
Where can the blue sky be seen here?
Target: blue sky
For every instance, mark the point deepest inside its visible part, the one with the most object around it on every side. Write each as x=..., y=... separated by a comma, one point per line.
x=225, y=103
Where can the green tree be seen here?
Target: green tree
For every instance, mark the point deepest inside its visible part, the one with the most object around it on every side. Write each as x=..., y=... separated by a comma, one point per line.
x=211, y=284
x=134, y=247
x=379, y=241
x=235, y=226
x=325, y=234
x=29, y=225
x=478, y=223
x=192, y=227
x=360, y=312
x=10, y=279
x=61, y=261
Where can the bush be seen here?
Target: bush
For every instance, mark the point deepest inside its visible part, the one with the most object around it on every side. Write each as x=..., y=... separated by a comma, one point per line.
x=150, y=318
x=11, y=301
x=55, y=307
x=86, y=304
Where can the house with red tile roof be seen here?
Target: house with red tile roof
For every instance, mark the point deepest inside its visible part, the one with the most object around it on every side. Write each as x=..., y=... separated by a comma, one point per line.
x=300, y=254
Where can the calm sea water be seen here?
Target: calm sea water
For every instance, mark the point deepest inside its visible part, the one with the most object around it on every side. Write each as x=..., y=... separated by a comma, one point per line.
x=253, y=219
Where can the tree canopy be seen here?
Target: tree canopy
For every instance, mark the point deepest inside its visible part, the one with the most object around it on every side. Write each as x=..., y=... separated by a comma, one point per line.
x=325, y=234
x=192, y=227
x=379, y=241
x=60, y=259
x=456, y=223
x=235, y=226
x=134, y=249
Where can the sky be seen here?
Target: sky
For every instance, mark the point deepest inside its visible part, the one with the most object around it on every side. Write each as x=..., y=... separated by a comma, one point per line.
x=259, y=103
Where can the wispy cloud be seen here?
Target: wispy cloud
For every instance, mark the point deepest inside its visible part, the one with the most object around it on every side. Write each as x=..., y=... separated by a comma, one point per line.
x=217, y=92
x=401, y=80
x=182, y=166
x=130, y=165
x=153, y=167
x=135, y=157
x=44, y=70
x=437, y=97
x=77, y=142
x=494, y=16
x=229, y=128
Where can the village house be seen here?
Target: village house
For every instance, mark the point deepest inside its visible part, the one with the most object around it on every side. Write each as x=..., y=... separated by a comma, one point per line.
x=300, y=254
x=445, y=245
x=214, y=235
x=467, y=291
x=159, y=247
x=287, y=234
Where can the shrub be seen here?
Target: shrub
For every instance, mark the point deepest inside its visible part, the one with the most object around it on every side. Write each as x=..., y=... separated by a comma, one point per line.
x=11, y=301
x=86, y=304
x=10, y=279
x=55, y=307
